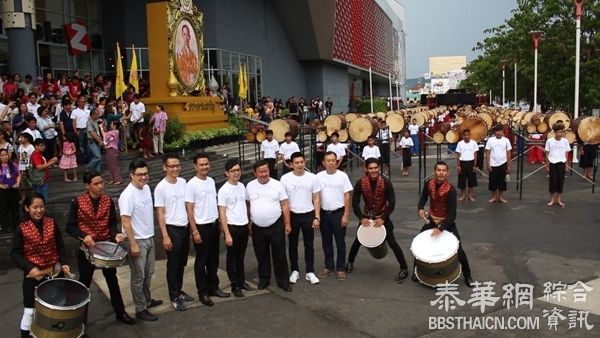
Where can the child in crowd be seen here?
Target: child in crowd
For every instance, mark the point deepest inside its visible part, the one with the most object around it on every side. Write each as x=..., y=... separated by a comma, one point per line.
x=406, y=143
x=371, y=150
x=68, y=160
x=111, y=145
x=145, y=137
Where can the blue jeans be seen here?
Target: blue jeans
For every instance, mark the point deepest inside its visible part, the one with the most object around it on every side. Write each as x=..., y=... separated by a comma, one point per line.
x=96, y=156
x=82, y=141
x=331, y=227
x=43, y=190
x=415, y=147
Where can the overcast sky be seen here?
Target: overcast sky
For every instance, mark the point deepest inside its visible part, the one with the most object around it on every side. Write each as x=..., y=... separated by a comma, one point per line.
x=448, y=28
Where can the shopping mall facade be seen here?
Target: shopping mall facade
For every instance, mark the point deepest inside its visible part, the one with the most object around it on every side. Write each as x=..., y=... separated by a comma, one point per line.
x=309, y=48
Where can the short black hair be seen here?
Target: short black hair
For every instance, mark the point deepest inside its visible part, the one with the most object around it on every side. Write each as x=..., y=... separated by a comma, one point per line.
x=39, y=141
x=466, y=131
x=268, y=132
x=327, y=153
x=440, y=163
x=169, y=157
x=90, y=175
x=288, y=134
x=199, y=156
x=30, y=118
x=136, y=164
x=259, y=164
x=31, y=197
x=335, y=133
x=295, y=155
x=558, y=127
x=232, y=162
x=27, y=136
x=371, y=160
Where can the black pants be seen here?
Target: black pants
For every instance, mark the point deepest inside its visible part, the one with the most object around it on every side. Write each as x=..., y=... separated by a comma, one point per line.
x=270, y=241
x=9, y=207
x=557, y=177
x=406, y=158
x=331, y=228
x=302, y=222
x=86, y=272
x=462, y=256
x=498, y=178
x=29, y=286
x=235, y=255
x=384, y=149
x=480, y=158
x=272, y=168
x=177, y=258
x=207, y=259
x=389, y=238
x=467, y=177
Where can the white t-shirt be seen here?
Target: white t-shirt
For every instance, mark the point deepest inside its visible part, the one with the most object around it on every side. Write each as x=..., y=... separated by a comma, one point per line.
x=369, y=152
x=265, y=201
x=498, y=148
x=81, y=117
x=137, y=112
x=172, y=197
x=204, y=196
x=233, y=197
x=288, y=149
x=333, y=188
x=33, y=108
x=467, y=150
x=137, y=204
x=406, y=142
x=339, y=149
x=270, y=149
x=35, y=134
x=557, y=150
x=299, y=190
x=24, y=155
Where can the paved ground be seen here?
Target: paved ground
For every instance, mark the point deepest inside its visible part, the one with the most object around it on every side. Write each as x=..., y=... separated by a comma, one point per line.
x=521, y=242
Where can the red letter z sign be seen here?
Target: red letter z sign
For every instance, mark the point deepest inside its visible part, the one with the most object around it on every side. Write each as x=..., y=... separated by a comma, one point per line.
x=78, y=38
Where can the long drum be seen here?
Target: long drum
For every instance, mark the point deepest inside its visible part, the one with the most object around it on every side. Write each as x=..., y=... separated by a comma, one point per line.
x=395, y=122
x=106, y=255
x=281, y=126
x=588, y=129
x=60, y=307
x=557, y=116
x=335, y=123
x=477, y=126
x=436, y=258
x=361, y=128
x=373, y=239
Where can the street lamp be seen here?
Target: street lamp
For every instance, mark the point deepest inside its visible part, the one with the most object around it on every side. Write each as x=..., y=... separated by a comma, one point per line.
x=536, y=36
x=515, y=62
x=370, y=56
x=578, y=9
x=503, y=63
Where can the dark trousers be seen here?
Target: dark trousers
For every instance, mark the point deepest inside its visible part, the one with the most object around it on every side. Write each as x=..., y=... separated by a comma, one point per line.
x=302, y=222
x=467, y=175
x=270, y=241
x=207, y=259
x=177, y=258
x=235, y=255
x=9, y=207
x=480, y=158
x=557, y=177
x=498, y=178
x=331, y=228
x=272, y=168
x=462, y=256
x=384, y=149
x=86, y=272
x=406, y=158
x=389, y=238
x=29, y=286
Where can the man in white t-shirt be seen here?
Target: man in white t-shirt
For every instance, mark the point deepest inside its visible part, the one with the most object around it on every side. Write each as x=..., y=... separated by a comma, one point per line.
x=339, y=149
x=202, y=211
x=371, y=150
x=80, y=115
x=286, y=149
x=137, y=110
x=233, y=216
x=497, y=153
x=33, y=105
x=556, y=150
x=270, y=217
x=466, y=157
x=169, y=200
x=137, y=217
x=268, y=151
x=303, y=190
x=336, y=191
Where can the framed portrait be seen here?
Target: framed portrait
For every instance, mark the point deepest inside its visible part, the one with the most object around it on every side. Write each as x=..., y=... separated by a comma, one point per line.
x=186, y=53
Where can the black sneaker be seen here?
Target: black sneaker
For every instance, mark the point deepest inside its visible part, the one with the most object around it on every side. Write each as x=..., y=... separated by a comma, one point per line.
x=178, y=304
x=247, y=287
x=146, y=315
x=185, y=297
x=125, y=318
x=237, y=293
x=154, y=302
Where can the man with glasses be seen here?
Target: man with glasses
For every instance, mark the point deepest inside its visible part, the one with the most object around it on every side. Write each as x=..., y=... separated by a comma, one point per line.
x=169, y=200
x=201, y=206
x=137, y=217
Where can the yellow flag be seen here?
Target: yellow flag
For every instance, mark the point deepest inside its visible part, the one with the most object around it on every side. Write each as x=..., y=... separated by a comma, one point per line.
x=241, y=83
x=120, y=81
x=133, y=71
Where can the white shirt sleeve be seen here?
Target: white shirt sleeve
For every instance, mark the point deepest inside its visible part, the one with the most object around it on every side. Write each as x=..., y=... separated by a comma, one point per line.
x=189, y=192
x=125, y=207
x=159, y=197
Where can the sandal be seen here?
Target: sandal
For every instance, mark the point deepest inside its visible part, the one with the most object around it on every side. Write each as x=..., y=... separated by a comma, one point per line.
x=118, y=183
x=341, y=276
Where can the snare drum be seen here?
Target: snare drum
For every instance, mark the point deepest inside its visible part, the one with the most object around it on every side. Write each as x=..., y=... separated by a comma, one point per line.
x=60, y=307
x=373, y=239
x=436, y=258
x=103, y=255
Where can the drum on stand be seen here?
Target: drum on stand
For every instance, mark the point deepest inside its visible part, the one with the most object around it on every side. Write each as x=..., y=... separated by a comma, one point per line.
x=436, y=258
x=106, y=255
x=373, y=239
x=60, y=307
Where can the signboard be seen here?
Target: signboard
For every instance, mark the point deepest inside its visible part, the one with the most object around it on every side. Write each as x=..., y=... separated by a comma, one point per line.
x=78, y=38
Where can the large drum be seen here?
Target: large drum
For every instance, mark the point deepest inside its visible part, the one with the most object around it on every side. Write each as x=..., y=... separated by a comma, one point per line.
x=106, y=255
x=373, y=239
x=60, y=307
x=436, y=258
x=477, y=126
x=281, y=126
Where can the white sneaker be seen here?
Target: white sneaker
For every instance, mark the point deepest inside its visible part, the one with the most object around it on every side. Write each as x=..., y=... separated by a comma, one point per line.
x=294, y=277
x=312, y=278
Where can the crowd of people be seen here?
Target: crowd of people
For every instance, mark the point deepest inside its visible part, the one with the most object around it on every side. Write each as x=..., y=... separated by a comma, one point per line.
x=267, y=109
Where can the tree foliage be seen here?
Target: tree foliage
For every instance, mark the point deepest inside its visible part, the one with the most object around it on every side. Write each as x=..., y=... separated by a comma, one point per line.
x=556, y=55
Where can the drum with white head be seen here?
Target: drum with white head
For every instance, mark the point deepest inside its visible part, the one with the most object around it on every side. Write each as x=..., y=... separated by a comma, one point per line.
x=436, y=257
x=373, y=239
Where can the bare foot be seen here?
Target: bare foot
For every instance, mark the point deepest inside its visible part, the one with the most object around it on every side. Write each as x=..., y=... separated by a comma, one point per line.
x=67, y=180
x=461, y=198
x=562, y=205
x=75, y=179
x=502, y=200
x=471, y=199
x=551, y=203
x=492, y=200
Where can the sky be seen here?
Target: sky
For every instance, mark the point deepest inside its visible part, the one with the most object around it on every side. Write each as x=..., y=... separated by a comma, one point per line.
x=448, y=28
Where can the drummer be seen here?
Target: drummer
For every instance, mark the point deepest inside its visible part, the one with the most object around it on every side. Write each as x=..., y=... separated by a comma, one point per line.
x=93, y=218
x=378, y=194
x=442, y=212
x=37, y=247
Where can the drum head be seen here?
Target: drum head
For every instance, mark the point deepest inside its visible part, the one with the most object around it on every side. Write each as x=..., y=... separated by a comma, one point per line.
x=62, y=294
x=371, y=237
x=436, y=249
x=106, y=251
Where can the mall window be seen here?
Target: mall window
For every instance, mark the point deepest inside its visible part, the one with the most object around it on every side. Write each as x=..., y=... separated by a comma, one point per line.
x=225, y=65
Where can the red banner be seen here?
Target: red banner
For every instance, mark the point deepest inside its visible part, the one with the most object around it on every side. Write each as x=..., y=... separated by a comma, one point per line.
x=78, y=38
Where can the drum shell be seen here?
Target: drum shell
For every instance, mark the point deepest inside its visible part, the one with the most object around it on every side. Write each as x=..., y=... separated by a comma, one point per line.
x=432, y=274
x=261, y=136
x=59, y=321
x=280, y=127
x=477, y=126
x=117, y=258
x=335, y=123
x=361, y=128
x=376, y=251
x=452, y=136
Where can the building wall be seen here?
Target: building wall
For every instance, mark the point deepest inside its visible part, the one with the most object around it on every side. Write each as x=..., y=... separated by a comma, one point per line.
x=328, y=80
x=439, y=65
